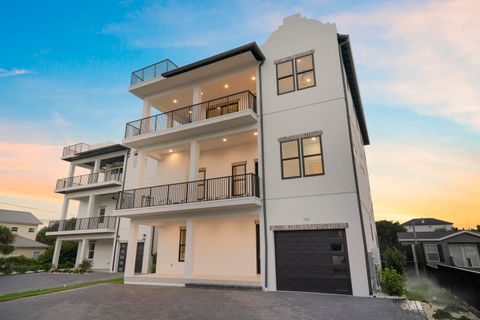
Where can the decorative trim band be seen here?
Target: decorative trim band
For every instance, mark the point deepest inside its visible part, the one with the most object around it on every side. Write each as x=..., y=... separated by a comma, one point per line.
x=301, y=136
x=316, y=226
x=239, y=163
x=294, y=56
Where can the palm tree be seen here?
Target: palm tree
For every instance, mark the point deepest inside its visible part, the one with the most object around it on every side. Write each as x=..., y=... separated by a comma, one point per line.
x=6, y=240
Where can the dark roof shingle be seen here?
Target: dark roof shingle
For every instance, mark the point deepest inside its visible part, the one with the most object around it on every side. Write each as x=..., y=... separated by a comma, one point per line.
x=20, y=217
x=426, y=222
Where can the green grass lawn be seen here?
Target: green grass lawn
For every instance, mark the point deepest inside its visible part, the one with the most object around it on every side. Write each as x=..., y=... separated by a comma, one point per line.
x=24, y=294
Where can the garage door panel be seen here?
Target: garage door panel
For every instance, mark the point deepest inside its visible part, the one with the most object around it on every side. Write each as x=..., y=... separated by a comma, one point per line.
x=312, y=261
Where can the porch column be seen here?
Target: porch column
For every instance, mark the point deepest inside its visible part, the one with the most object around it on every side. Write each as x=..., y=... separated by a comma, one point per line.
x=66, y=201
x=141, y=162
x=197, y=98
x=194, y=156
x=91, y=204
x=71, y=170
x=56, y=252
x=147, y=110
x=81, y=251
x=147, y=257
x=96, y=166
x=131, y=249
x=188, y=264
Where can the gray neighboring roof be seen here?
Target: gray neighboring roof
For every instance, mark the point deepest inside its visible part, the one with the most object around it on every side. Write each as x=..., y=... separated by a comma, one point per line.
x=252, y=47
x=21, y=242
x=426, y=222
x=20, y=217
x=346, y=50
x=433, y=235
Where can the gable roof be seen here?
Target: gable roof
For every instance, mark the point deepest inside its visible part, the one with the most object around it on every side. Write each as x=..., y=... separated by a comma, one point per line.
x=434, y=236
x=21, y=242
x=426, y=222
x=20, y=217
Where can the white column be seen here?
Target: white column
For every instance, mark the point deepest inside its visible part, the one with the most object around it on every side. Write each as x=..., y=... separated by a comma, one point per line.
x=81, y=252
x=194, y=156
x=114, y=259
x=197, y=98
x=91, y=205
x=188, y=264
x=96, y=166
x=141, y=162
x=147, y=109
x=66, y=201
x=131, y=249
x=71, y=170
x=56, y=253
x=147, y=257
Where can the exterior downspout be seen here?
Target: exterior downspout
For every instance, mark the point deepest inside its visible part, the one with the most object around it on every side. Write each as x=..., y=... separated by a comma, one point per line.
x=263, y=172
x=359, y=201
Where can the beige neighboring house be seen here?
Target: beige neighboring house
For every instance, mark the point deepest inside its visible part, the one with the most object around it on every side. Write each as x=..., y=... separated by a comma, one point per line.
x=24, y=225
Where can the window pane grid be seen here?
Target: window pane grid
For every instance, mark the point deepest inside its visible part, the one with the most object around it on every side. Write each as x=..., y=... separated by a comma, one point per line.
x=290, y=164
x=311, y=156
x=296, y=75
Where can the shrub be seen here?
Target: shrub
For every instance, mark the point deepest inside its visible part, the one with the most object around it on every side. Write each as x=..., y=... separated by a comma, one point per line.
x=22, y=268
x=442, y=314
x=395, y=259
x=6, y=240
x=85, y=266
x=393, y=283
x=66, y=265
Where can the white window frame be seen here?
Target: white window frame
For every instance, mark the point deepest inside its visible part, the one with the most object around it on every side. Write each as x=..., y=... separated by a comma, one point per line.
x=14, y=229
x=427, y=245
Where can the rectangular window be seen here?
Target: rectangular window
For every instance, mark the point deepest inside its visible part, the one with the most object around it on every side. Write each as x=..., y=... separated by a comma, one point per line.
x=91, y=250
x=305, y=73
x=285, y=81
x=181, y=244
x=312, y=156
x=31, y=229
x=431, y=251
x=290, y=154
x=295, y=74
x=14, y=229
x=101, y=214
x=35, y=254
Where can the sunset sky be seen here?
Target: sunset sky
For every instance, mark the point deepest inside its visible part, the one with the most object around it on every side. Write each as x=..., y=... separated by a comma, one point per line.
x=65, y=70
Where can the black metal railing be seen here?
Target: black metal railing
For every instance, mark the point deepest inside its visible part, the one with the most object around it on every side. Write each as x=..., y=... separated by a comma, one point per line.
x=152, y=71
x=86, y=179
x=74, y=149
x=105, y=222
x=461, y=282
x=243, y=185
x=194, y=113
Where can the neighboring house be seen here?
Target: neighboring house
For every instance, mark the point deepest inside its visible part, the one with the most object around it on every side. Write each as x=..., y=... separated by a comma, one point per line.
x=427, y=224
x=250, y=165
x=456, y=248
x=24, y=225
x=101, y=236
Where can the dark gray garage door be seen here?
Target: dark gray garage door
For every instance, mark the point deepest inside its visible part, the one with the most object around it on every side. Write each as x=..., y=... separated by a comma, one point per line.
x=313, y=261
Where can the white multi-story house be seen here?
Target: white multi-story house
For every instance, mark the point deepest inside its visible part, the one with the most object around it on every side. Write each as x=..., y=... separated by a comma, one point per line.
x=247, y=168
x=427, y=225
x=250, y=167
x=102, y=237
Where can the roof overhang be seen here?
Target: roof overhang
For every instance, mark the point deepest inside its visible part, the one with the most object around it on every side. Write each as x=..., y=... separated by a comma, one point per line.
x=97, y=152
x=348, y=63
x=223, y=63
x=440, y=238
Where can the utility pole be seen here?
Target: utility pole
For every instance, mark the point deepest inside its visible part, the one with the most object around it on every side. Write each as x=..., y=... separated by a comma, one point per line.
x=415, y=262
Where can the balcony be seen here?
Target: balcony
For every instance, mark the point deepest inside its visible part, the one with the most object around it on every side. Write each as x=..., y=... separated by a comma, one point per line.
x=221, y=113
x=152, y=72
x=103, y=179
x=82, y=225
x=74, y=149
x=223, y=192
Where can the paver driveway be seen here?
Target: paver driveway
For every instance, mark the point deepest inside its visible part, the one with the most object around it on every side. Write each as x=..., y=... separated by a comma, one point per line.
x=115, y=301
x=35, y=281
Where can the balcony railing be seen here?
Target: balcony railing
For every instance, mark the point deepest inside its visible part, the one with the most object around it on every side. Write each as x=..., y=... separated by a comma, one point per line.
x=153, y=71
x=229, y=187
x=86, y=179
x=206, y=110
x=105, y=222
x=74, y=149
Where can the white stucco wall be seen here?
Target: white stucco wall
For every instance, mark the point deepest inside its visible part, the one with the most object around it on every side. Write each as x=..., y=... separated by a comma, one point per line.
x=103, y=254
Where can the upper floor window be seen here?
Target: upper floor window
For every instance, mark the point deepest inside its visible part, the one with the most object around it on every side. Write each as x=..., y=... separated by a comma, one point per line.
x=14, y=229
x=296, y=73
x=31, y=229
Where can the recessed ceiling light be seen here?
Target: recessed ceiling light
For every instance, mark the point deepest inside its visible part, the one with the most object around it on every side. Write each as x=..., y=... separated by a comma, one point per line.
x=226, y=86
x=308, y=79
x=255, y=133
x=170, y=150
x=174, y=100
x=201, y=93
x=299, y=60
x=189, y=111
x=224, y=139
x=253, y=78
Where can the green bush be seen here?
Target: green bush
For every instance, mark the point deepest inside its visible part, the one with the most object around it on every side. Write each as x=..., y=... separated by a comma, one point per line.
x=85, y=266
x=442, y=314
x=66, y=265
x=395, y=259
x=393, y=283
x=22, y=268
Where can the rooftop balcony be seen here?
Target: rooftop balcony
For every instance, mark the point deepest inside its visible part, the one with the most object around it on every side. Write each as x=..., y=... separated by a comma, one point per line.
x=75, y=149
x=220, y=113
x=105, y=224
x=224, y=192
x=103, y=179
x=151, y=72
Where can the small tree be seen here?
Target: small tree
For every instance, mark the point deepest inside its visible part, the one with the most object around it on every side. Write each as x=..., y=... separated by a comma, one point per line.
x=387, y=234
x=393, y=283
x=6, y=240
x=41, y=237
x=395, y=259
